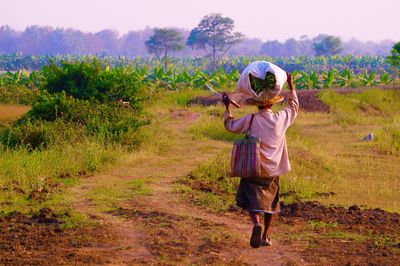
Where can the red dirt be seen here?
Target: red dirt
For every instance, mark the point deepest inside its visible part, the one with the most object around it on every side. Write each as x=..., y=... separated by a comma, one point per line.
x=345, y=236
x=353, y=218
x=40, y=239
x=183, y=114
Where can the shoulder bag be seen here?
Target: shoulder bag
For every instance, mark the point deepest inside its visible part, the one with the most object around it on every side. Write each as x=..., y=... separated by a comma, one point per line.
x=245, y=160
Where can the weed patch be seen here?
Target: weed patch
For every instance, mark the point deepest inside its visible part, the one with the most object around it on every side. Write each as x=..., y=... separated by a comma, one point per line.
x=210, y=185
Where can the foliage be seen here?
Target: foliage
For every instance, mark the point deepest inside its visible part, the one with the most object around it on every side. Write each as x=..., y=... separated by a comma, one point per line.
x=214, y=32
x=17, y=94
x=394, y=59
x=90, y=80
x=327, y=45
x=211, y=185
x=79, y=101
x=59, y=118
x=107, y=78
x=164, y=41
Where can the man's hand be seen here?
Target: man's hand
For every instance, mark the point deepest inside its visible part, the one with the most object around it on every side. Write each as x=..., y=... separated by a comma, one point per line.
x=289, y=81
x=225, y=100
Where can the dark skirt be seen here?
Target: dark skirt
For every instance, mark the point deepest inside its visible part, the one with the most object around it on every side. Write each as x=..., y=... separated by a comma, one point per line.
x=259, y=194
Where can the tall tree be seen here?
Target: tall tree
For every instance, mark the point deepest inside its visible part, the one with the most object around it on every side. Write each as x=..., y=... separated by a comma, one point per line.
x=394, y=59
x=110, y=41
x=8, y=39
x=214, y=35
x=272, y=48
x=163, y=41
x=327, y=45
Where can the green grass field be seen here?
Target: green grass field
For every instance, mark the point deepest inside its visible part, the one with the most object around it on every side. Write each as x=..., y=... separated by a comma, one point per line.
x=330, y=161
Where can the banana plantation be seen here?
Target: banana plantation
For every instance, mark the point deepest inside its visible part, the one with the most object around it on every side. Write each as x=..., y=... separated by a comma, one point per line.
x=307, y=72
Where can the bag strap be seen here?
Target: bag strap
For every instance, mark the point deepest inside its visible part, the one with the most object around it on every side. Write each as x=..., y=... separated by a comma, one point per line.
x=251, y=122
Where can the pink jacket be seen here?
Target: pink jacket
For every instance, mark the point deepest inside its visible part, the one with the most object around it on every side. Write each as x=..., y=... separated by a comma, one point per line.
x=270, y=128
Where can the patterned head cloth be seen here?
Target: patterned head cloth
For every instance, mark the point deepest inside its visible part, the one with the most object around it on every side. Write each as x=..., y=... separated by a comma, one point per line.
x=254, y=86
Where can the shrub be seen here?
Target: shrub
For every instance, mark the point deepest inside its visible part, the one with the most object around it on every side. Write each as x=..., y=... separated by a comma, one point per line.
x=91, y=80
x=58, y=117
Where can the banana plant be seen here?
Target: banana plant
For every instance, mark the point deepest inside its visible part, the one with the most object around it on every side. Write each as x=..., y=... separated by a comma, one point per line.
x=200, y=78
x=233, y=77
x=303, y=82
x=140, y=73
x=315, y=82
x=219, y=78
x=171, y=79
x=385, y=78
x=158, y=75
x=345, y=78
x=295, y=75
x=185, y=78
x=367, y=79
x=328, y=78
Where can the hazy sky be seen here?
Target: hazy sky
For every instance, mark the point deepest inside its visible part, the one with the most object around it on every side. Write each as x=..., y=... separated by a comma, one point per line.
x=264, y=19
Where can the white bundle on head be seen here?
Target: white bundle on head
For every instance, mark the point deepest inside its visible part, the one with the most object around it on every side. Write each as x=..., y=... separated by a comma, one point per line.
x=258, y=69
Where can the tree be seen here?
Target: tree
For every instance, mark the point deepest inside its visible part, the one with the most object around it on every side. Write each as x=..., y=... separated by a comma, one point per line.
x=133, y=43
x=394, y=59
x=163, y=41
x=214, y=35
x=327, y=45
x=247, y=47
x=8, y=39
x=272, y=48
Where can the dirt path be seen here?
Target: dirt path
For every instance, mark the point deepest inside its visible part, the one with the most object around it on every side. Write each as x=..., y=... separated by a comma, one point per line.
x=161, y=228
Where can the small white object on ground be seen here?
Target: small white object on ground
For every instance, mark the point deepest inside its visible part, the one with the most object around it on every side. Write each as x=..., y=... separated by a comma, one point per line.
x=369, y=137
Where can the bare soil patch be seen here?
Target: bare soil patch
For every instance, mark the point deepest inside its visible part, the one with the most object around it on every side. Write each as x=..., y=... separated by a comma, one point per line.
x=179, y=239
x=184, y=114
x=344, y=236
x=39, y=239
x=309, y=101
x=353, y=218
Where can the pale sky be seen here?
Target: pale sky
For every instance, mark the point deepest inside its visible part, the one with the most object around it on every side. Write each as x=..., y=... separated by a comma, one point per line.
x=263, y=19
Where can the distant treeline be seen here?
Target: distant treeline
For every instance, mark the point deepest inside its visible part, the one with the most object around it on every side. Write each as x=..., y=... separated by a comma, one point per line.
x=36, y=40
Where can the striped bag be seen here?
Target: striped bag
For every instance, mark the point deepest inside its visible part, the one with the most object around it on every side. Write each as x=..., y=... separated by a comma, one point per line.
x=245, y=160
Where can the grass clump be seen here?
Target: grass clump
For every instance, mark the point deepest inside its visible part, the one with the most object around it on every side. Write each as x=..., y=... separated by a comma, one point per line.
x=210, y=185
x=110, y=190
x=211, y=125
x=362, y=107
x=369, y=107
x=315, y=224
x=32, y=177
x=345, y=109
x=388, y=137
